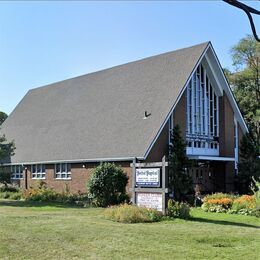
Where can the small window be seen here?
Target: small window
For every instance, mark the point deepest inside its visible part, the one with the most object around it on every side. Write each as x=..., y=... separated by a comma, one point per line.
x=16, y=172
x=63, y=171
x=38, y=171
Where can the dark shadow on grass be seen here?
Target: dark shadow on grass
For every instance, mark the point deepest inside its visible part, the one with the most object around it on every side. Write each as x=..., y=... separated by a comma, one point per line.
x=21, y=203
x=222, y=222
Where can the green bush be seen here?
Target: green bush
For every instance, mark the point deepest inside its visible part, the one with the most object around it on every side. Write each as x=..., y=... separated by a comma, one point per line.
x=45, y=194
x=178, y=209
x=8, y=187
x=10, y=191
x=132, y=214
x=11, y=195
x=107, y=184
x=5, y=174
x=40, y=194
x=80, y=199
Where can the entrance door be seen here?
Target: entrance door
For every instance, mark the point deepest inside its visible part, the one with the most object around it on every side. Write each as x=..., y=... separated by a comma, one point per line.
x=202, y=178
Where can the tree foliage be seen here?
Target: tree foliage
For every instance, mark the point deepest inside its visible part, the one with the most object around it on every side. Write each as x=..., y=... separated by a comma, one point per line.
x=245, y=83
x=107, y=185
x=249, y=164
x=3, y=117
x=6, y=150
x=179, y=180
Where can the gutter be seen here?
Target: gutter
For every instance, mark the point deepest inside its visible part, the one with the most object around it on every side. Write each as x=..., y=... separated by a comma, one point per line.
x=122, y=159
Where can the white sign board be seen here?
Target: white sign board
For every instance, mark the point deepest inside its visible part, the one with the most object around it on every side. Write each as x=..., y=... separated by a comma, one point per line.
x=149, y=177
x=149, y=200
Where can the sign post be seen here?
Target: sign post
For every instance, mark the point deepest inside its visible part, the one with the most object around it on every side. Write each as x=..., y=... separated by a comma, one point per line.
x=149, y=184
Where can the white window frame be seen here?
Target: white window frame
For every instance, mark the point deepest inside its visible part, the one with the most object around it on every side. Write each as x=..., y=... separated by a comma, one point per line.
x=62, y=171
x=38, y=171
x=202, y=110
x=170, y=128
x=236, y=149
x=16, y=172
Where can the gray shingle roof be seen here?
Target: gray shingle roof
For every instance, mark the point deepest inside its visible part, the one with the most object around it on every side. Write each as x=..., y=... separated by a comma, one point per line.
x=100, y=115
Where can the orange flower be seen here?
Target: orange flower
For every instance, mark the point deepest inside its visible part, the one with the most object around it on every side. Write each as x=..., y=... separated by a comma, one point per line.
x=223, y=201
x=247, y=200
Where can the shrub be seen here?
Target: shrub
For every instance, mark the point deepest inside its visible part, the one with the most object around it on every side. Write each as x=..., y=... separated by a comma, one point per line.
x=244, y=202
x=132, y=214
x=41, y=194
x=80, y=199
x=178, y=209
x=11, y=195
x=107, y=185
x=248, y=204
x=8, y=187
x=255, y=187
x=16, y=195
x=10, y=191
x=45, y=194
x=218, y=202
x=5, y=174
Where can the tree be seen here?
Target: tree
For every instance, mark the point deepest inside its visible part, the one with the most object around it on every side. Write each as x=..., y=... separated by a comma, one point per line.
x=249, y=165
x=245, y=83
x=3, y=117
x=107, y=185
x=6, y=150
x=179, y=180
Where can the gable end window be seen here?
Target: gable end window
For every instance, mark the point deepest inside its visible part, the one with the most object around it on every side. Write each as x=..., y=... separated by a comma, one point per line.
x=38, y=171
x=63, y=171
x=202, y=126
x=16, y=172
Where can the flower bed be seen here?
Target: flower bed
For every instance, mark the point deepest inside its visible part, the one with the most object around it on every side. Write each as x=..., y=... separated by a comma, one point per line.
x=221, y=202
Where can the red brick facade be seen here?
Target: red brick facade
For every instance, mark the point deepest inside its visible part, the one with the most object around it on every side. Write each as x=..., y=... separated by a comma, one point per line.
x=80, y=174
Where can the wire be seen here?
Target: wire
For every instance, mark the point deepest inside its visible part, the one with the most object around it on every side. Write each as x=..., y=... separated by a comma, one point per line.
x=248, y=10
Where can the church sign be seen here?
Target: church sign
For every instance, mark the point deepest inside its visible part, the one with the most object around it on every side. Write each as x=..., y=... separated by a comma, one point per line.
x=149, y=200
x=148, y=177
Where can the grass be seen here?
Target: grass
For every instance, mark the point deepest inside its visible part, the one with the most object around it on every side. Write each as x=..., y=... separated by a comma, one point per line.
x=43, y=231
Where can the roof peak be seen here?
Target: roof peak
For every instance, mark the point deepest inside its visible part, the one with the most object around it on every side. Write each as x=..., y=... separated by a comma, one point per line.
x=123, y=64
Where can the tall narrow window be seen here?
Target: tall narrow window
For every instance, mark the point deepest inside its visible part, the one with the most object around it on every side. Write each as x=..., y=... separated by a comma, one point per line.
x=202, y=115
x=170, y=127
x=236, y=143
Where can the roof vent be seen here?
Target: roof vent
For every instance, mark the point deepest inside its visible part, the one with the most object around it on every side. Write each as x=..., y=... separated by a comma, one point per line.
x=146, y=115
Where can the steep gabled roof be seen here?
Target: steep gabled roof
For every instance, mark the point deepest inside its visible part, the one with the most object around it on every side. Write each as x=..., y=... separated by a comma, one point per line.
x=100, y=115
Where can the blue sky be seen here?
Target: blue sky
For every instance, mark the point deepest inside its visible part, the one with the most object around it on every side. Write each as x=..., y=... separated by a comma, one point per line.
x=45, y=42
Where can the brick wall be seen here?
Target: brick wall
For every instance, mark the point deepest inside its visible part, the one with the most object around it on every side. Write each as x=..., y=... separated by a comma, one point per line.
x=79, y=177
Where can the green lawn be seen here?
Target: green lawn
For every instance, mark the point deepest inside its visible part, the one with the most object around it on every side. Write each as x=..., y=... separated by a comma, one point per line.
x=38, y=231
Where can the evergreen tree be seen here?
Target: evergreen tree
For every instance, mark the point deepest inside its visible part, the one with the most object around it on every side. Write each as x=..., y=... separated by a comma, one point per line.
x=179, y=180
